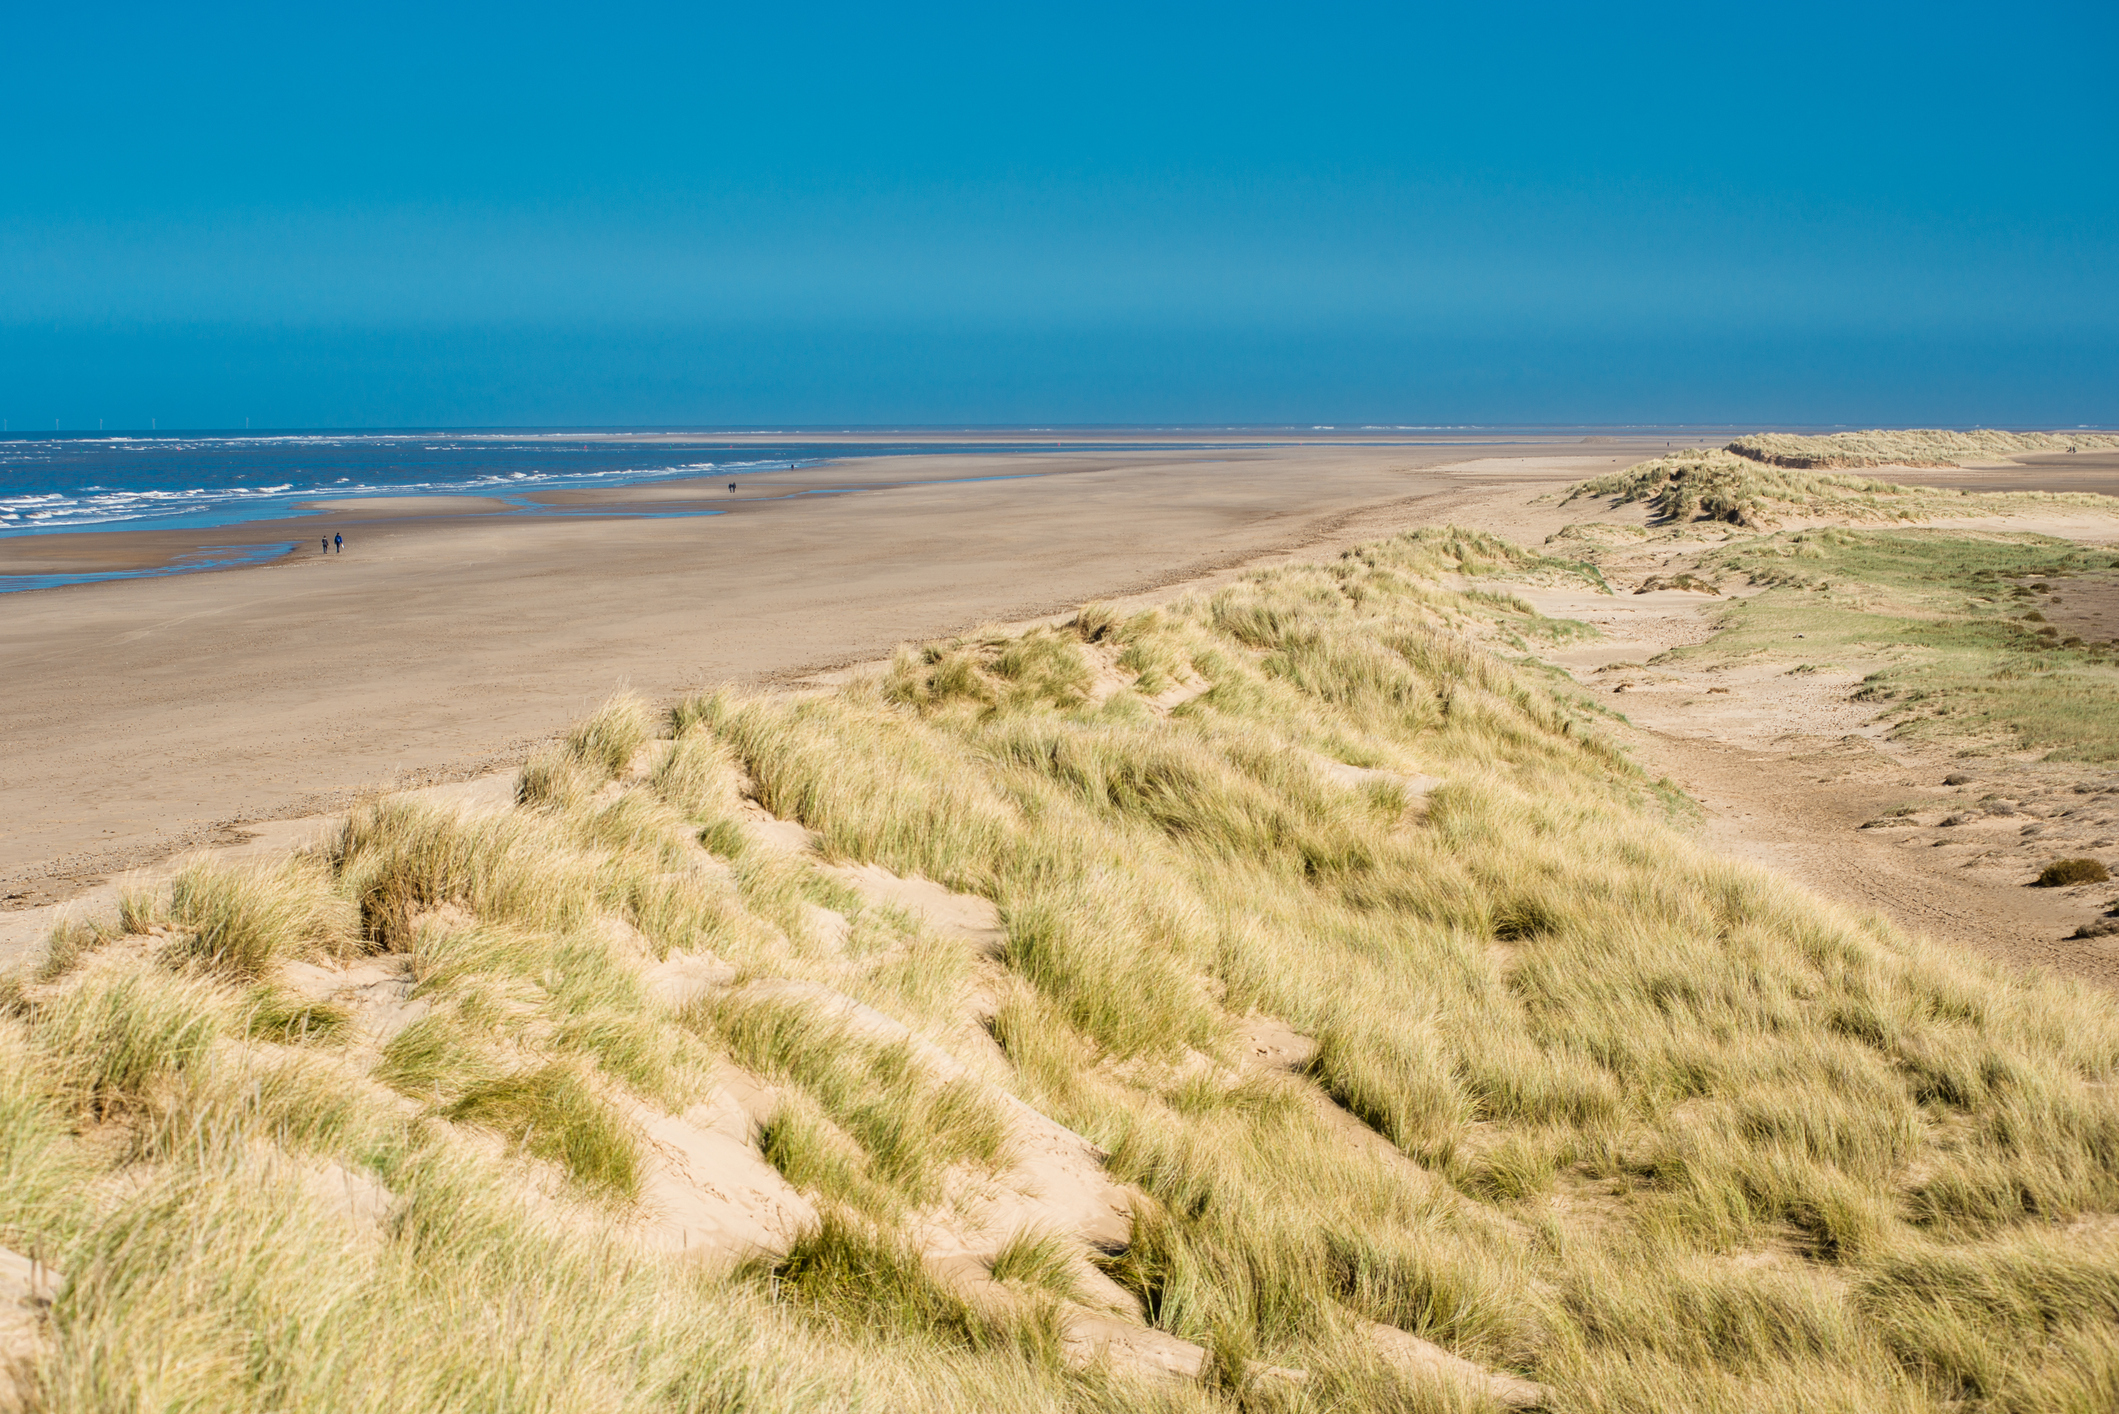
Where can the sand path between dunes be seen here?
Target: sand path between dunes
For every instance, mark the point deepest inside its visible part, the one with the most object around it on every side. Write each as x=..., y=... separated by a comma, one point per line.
x=1787, y=768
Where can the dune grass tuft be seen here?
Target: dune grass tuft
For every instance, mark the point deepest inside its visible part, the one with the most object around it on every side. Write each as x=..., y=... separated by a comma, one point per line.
x=608, y=739
x=1748, y=485
x=240, y=922
x=2063, y=872
x=1041, y=1260
x=118, y=1028
x=848, y=1274
x=873, y=1127
x=551, y=1113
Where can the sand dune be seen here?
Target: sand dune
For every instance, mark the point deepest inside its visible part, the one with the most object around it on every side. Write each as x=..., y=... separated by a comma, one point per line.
x=1361, y=1026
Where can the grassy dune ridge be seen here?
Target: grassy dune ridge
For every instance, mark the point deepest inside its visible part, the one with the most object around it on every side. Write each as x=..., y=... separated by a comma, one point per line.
x=1579, y=1101
x=1705, y=484
x=1915, y=447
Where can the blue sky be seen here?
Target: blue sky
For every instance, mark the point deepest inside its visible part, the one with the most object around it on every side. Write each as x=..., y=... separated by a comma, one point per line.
x=636, y=214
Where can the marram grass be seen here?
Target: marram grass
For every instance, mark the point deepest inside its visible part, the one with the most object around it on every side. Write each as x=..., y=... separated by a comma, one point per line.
x=1745, y=487
x=1587, y=1104
x=1916, y=447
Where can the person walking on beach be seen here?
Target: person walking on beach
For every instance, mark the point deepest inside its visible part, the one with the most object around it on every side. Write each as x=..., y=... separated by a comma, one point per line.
x=732, y=485
x=340, y=541
x=325, y=541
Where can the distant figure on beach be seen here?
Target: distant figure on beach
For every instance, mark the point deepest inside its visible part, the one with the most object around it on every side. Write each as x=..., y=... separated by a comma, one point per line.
x=340, y=541
x=732, y=485
x=325, y=541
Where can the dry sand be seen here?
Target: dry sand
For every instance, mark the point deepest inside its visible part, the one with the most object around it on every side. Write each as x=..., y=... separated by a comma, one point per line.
x=146, y=716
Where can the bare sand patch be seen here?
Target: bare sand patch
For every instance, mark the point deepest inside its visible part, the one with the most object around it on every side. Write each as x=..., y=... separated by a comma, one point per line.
x=2085, y=606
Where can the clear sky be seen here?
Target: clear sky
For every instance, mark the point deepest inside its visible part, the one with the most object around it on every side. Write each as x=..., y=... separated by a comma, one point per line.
x=445, y=214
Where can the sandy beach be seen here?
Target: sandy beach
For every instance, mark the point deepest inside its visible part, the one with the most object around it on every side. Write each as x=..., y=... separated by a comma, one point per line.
x=150, y=715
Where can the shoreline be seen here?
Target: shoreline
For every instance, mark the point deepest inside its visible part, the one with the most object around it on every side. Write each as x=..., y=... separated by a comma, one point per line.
x=97, y=555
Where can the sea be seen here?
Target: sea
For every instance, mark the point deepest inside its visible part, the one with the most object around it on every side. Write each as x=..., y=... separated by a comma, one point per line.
x=51, y=485
x=55, y=485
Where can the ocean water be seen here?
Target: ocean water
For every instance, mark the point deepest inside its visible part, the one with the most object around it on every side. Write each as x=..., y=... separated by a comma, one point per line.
x=51, y=485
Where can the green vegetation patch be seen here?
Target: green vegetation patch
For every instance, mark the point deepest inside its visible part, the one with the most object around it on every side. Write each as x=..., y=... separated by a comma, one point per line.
x=858, y=1281
x=1942, y=609
x=120, y=1028
x=1043, y=1261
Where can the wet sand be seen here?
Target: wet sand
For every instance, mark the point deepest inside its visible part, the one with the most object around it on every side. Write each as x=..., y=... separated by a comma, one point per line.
x=150, y=715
